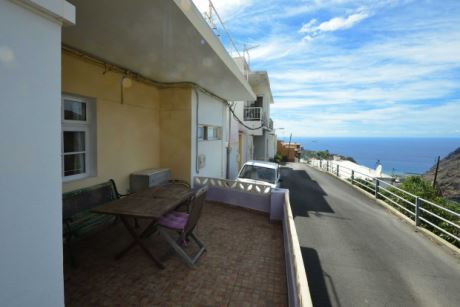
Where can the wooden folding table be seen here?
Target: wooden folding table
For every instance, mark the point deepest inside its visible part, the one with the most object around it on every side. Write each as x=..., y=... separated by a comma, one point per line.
x=149, y=204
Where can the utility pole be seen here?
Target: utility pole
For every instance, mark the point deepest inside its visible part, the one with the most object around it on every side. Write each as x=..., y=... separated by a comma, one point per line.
x=436, y=172
x=289, y=147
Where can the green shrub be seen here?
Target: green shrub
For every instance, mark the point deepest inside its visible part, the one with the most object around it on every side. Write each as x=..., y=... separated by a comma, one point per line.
x=278, y=158
x=417, y=186
x=366, y=185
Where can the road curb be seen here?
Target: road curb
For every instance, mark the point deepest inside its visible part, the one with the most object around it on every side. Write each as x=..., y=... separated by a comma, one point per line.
x=455, y=251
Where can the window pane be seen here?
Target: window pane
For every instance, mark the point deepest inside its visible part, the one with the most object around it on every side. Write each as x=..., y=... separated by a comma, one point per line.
x=74, y=164
x=214, y=133
x=74, y=141
x=211, y=133
x=259, y=102
x=74, y=110
x=201, y=133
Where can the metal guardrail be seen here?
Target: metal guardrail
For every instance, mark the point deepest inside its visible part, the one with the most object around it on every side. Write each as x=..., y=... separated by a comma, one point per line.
x=253, y=113
x=220, y=27
x=416, y=207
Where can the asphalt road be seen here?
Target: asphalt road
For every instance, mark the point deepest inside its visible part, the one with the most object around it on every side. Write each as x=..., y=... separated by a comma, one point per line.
x=356, y=253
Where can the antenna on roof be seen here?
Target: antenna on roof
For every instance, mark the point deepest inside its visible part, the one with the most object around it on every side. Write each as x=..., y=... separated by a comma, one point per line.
x=209, y=15
x=246, y=52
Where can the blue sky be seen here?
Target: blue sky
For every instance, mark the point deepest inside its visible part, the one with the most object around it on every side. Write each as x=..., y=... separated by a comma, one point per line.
x=354, y=68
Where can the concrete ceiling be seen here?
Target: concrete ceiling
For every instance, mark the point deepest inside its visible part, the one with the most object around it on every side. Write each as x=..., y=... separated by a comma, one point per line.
x=163, y=40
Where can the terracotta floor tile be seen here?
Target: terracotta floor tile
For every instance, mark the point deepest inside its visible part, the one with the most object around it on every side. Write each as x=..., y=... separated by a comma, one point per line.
x=243, y=266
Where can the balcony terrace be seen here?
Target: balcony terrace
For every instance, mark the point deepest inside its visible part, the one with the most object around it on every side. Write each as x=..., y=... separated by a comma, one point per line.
x=254, y=117
x=253, y=114
x=244, y=266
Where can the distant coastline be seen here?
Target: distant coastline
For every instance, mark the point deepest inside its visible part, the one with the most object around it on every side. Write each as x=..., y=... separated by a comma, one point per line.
x=398, y=156
x=323, y=154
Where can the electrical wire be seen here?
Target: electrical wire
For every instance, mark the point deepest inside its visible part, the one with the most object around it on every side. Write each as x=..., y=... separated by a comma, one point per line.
x=128, y=73
x=240, y=121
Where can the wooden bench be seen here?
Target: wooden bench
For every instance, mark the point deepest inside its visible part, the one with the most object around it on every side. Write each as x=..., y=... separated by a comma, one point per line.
x=78, y=221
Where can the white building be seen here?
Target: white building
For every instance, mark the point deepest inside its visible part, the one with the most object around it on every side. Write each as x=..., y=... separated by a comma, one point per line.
x=345, y=169
x=256, y=138
x=264, y=138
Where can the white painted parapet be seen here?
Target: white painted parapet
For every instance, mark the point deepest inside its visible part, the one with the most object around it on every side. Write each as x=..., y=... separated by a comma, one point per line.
x=298, y=289
x=275, y=202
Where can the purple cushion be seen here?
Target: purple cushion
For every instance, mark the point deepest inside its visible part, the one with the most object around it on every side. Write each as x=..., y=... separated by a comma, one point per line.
x=174, y=220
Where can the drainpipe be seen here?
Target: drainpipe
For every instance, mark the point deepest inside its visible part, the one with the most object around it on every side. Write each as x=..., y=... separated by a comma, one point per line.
x=229, y=148
x=197, y=95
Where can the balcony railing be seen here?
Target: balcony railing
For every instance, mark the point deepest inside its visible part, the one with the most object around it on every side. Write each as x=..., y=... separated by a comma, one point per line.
x=217, y=25
x=253, y=114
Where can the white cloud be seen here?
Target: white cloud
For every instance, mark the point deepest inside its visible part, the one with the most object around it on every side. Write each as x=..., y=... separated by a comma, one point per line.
x=387, y=121
x=223, y=7
x=376, y=95
x=397, y=75
x=340, y=23
x=309, y=27
x=334, y=24
x=277, y=47
x=316, y=5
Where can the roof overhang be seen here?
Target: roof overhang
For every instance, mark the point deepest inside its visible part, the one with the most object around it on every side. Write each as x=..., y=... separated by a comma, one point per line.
x=58, y=10
x=261, y=83
x=162, y=40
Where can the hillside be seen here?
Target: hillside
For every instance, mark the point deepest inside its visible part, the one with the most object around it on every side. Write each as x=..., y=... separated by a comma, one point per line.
x=448, y=176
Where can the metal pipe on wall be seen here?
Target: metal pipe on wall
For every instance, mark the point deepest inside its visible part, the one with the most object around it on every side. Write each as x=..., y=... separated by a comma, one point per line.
x=197, y=96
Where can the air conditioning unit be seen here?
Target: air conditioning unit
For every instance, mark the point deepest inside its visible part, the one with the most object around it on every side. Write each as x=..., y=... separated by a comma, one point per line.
x=148, y=178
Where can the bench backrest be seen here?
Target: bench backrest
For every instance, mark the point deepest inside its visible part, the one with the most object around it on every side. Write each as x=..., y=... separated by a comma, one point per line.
x=88, y=198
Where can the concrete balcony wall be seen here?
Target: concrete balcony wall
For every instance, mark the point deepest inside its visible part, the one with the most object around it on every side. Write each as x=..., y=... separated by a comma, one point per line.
x=260, y=147
x=274, y=202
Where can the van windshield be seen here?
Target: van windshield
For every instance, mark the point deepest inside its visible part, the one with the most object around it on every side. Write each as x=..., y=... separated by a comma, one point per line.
x=258, y=173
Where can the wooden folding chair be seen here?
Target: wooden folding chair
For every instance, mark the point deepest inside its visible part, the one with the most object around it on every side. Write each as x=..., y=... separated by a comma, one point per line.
x=184, y=224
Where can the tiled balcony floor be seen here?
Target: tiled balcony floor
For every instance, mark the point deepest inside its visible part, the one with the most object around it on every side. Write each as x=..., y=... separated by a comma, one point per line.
x=243, y=266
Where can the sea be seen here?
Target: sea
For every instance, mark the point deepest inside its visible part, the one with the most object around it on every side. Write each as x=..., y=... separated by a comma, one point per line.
x=398, y=156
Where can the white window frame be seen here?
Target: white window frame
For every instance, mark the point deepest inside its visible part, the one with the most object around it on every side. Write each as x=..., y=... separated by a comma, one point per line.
x=218, y=133
x=203, y=136
x=88, y=126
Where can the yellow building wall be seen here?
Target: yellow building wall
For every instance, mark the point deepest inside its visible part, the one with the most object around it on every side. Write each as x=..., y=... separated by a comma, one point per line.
x=175, y=127
x=128, y=134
